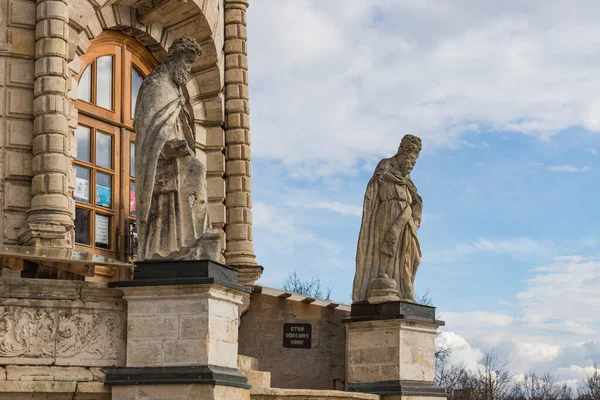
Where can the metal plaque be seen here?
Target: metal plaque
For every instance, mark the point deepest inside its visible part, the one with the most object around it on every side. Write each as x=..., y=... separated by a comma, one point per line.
x=297, y=336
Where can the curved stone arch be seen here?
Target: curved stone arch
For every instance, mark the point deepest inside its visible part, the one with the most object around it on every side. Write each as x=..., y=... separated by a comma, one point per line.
x=206, y=24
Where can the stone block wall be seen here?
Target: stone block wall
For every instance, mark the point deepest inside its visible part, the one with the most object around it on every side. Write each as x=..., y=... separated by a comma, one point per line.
x=168, y=326
x=321, y=367
x=17, y=53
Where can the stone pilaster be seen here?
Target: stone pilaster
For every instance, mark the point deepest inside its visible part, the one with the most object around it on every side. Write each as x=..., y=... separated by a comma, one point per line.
x=49, y=221
x=239, y=250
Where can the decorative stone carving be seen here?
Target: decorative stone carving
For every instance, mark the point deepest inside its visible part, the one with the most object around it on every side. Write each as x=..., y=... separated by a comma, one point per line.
x=85, y=335
x=27, y=332
x=392, y=210
x=171, y=182
x=66, y=334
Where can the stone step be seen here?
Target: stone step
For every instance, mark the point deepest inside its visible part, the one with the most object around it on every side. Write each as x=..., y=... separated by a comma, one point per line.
x=246, y=363
x=302, y=394
x=259, y=379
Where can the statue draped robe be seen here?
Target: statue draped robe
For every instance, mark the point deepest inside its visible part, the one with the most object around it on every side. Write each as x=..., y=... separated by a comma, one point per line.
x=170, y=181
x=388, y=242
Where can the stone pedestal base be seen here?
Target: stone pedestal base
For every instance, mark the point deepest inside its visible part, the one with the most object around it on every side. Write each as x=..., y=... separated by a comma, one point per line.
x=179, y=392
x=182, y=333
x=390, y=351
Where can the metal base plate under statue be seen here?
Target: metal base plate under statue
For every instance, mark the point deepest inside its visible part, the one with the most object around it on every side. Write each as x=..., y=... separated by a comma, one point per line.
x=390, y=351
x=182, y=333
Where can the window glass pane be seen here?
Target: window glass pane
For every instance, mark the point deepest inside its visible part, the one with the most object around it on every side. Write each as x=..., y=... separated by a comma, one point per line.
x=82, y=136
x=104, y=82
x=82, y=226
x=132, y=160
x=103, y=150
x=84, y=89
x=82, y=184
x=136, y=82
x=102, y=231
x=133, y=239
x=103, y=189
x=132, y=198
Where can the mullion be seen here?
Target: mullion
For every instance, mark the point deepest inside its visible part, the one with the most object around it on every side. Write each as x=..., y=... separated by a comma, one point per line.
x=93, y=83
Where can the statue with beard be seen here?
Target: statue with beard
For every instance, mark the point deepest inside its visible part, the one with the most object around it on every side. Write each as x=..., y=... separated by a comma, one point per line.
x=173, y=221
x=388, y=252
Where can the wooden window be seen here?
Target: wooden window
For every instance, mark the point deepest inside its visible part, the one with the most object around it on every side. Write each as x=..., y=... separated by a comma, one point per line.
x=111, y=74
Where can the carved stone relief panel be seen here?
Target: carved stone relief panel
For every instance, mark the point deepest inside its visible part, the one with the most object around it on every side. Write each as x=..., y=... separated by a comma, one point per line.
x=62, y=332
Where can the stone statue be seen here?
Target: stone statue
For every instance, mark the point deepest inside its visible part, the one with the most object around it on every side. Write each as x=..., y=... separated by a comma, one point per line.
x=173, y=221
x=388, y=252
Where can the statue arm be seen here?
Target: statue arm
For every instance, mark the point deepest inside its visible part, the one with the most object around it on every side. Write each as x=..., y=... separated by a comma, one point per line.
x=417, y=204
x=385, y=173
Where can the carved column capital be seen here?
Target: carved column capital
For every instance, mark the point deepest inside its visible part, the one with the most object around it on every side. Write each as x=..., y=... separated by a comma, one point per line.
x=240, y=4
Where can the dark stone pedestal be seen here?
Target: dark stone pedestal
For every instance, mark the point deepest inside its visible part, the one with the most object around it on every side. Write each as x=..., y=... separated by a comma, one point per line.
x=161, y=273
x=364, y=311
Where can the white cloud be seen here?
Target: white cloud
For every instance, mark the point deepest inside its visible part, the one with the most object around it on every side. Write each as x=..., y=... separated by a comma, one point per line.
x=555, y=328
x=339, y=208
x=568, y=168
x=461, y=350
x=515, y=247
x=339, y=81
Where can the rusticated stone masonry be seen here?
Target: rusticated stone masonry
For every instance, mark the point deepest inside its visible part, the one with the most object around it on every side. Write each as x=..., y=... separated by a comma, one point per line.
x=49, y=221
x=240, y=251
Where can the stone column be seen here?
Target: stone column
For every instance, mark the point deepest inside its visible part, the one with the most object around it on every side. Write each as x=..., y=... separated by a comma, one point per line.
x=49, y=221
x=182, y=333
x=390, y=351
x=239, y=249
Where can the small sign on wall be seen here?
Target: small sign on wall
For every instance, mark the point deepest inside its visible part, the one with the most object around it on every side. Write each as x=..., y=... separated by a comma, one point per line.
x=297, y=336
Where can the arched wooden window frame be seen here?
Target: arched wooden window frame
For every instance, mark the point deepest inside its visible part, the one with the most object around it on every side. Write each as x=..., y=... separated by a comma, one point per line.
x=127, y=53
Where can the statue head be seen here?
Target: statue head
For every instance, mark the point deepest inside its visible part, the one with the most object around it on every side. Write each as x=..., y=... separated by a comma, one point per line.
x=408, y=152
x=182, y=54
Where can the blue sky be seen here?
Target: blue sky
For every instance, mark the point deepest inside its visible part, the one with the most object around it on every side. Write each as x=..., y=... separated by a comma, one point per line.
x=506, y=98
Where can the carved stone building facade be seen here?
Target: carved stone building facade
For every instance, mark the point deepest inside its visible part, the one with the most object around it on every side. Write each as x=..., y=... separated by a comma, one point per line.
x=68, y=75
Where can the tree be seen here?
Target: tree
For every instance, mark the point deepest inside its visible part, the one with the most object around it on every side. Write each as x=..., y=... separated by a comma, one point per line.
x=489, y=381
x=590, y=387
x=493, y=380
x=311, y=288
x=536, y=387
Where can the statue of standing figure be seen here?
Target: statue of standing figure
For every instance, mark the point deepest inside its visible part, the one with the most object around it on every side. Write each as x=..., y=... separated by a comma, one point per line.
x=388, y=252
x=173, y=221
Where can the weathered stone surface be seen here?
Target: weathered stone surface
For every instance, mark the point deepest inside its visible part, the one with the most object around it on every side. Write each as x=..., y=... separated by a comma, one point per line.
x=45, y=322
x=240, y=251
x=50, y=373
x=261, y=337
x=392, y=211
x=383, y=289
x=259, y=379
x=171, y=186
x=182, y=325
x=179, y=392
x=305, y=394
x=390, y=350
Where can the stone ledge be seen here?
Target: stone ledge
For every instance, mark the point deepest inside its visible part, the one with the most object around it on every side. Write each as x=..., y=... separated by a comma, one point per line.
x=202, y=374
x=405, y=388
x=306, y=394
